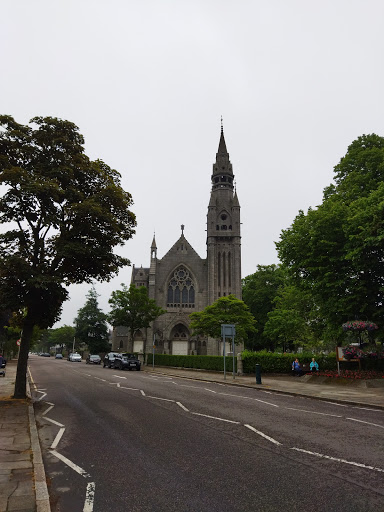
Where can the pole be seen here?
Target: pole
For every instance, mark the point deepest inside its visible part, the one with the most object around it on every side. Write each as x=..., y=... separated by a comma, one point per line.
x=225, y=376
x=233, y=353
x=153, y=351
x=73, y=346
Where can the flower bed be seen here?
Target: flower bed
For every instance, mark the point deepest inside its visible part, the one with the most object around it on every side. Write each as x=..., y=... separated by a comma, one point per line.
x=351, y=375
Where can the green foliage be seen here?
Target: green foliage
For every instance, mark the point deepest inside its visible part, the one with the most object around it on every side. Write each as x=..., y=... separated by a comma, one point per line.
x=131, y=307
x=259, y=292
x=91, y=325
x=213, y=363
x=62, y=336
x=226, y=310
x=336, y=252
x=64, y=215
x=272, y=362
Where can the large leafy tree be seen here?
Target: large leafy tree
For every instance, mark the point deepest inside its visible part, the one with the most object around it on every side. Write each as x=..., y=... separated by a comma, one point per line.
x=337, y=250
x=62, y=336
x=259, y=292
x=225, y=310
x=91, y=325
x=131, y=307
x=64, y=215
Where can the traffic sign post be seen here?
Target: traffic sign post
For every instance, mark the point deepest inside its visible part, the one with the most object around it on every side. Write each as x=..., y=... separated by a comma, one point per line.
x=228, y=331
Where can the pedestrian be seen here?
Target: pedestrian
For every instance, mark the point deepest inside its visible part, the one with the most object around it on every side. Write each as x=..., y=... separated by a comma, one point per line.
x=296, y=368
x=314, y=367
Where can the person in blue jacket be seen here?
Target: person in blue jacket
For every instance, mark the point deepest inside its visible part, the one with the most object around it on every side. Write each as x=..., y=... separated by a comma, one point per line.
x=296, y=368
x=314, y=367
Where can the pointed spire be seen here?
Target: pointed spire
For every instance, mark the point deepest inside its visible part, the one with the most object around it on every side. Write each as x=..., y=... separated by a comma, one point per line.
x=153, y=246
x=222, y=146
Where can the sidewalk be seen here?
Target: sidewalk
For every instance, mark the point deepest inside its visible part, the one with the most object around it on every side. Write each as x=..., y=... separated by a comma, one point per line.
x=354, y=393
x=22, y=477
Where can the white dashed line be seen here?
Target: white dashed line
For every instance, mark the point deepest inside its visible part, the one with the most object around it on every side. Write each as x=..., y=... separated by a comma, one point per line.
x=98, y=378
x=57, y=438
x=159, y=398
x=206, y=389
x=119, y=377
x=340, y=405
x=46, y=411
x=366, y=422
x=125, y=387
x=249, y=398
x=55, y=422
x=142, y=392
x=89, y=497
x=263, y=435
x=182, y=406
x=71, y=464
x=368, y=409
x=313, y=412
x=216, y=418
x=358, y=464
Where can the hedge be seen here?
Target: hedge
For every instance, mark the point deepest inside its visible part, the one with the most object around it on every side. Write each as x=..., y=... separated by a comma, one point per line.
x=214, y=363
x=273, y=362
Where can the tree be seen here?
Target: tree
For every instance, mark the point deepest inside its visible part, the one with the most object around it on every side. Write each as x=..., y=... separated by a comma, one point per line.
x=259, y=292
x=131, y=307
x=91, y=325
x=226, y=310
x=62, y=336
x=64, y=214
x=336, y=251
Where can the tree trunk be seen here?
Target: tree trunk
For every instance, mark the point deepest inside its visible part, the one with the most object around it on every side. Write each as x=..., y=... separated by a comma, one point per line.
x=22, y=363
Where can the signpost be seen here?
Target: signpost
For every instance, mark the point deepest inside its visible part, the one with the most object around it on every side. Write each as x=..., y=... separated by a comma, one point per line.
x=228, y=331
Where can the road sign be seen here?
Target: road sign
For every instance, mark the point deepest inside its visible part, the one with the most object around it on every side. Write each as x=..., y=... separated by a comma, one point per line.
x=18, y=343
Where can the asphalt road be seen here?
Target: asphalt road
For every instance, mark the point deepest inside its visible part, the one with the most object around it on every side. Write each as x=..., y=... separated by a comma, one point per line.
x=134, y=441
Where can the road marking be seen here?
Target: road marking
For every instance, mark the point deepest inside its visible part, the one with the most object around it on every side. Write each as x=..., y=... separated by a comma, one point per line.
x=71, y=464
x=49, y=403
x=216, y=418
x=30, y=376
x=142, y=392
x=55, y=422
x=366, y=422
x=42, y=396
x=57, y=438
x=119, y=376
x=263, y=435
x=313, y=412
x=87, y=374
x=358, y=464
x=249, y=398
x=125, y=387
x=115, y=384
x=182, y=406
x=98, y=378
x=340, y=405
x=368, y=409
x=89, y=497
x=49, y=408
x=158, y=398
x=206, y=389
x=186, y=386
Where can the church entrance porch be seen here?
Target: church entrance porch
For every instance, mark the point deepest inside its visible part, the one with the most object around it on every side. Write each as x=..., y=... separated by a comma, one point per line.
x=180, y=340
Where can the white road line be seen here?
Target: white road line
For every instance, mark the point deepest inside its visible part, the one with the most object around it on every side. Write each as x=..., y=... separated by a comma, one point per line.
x=46, y=411
x=42, y=396
x=358, y=464
x=368, y=409
x=89, y=497
x=30, y=376
x=55, y=422
x=115, y=384
x=57, y=438
x=249, y=398
x=314, y=412
x=119, y=376
x=182, y=406
x=70, y=464
x=49, y=403
x=340, y=405
x=142, y=392
x=125, y=387
x=263, y=435
x=216, y=418
x=206, y=389
x=98, y=378
x=158, y=398
x=186, y=386
x=87, y=374
x=366, y=422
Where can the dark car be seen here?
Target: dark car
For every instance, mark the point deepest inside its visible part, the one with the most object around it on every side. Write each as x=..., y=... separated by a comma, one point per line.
x=127, y=361
x=46, y=354
x=109, y=359
x=93, y=359
x=59, y=356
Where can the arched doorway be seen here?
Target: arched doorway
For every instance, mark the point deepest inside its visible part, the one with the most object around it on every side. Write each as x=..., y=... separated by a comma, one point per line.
x=180, y=340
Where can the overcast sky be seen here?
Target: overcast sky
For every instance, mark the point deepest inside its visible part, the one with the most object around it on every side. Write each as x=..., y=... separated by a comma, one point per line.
x=146, y=81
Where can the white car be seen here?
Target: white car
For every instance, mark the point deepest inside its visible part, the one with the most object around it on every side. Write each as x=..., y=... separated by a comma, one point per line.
x=75, y=357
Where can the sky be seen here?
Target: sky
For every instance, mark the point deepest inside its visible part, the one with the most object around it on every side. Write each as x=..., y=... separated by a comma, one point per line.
x=147, y=81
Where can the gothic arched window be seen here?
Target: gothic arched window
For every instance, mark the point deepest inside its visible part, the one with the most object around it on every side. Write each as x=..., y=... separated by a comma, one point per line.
x=181, y=290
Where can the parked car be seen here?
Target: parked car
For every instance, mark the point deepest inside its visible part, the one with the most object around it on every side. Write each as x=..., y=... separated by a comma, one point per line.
x=93, y=359
x=59, y=356
x=127, y=361
x=109, y=359
x=46, y=354
x=75, y=357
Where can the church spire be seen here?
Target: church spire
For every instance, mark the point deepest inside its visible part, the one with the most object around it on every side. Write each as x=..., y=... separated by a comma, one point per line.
x=222, y=146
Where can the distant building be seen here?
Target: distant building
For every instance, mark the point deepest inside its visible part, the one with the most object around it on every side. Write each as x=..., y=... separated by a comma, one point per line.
x=182, y=282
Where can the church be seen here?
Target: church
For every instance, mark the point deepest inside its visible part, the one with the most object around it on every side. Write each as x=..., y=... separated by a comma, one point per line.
x=181, y=282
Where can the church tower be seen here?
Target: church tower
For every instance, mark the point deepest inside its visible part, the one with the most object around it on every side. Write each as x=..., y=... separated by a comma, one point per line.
x=223, y=230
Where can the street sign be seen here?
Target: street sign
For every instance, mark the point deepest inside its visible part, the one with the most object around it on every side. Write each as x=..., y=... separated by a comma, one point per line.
x=18, y=343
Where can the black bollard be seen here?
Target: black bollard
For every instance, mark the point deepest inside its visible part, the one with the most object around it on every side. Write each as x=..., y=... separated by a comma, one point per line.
x=258, y=374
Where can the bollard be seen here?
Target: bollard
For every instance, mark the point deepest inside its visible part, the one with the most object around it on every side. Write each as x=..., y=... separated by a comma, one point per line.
x=258, y=374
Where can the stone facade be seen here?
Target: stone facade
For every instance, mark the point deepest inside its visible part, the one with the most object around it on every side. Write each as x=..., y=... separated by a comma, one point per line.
x=182, y=282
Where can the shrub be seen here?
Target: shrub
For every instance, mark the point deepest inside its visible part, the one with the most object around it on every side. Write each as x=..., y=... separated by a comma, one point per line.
x=214, y=363
x=273, y=362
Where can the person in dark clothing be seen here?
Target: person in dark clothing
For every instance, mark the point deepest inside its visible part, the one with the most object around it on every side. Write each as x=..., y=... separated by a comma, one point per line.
x=296, y=368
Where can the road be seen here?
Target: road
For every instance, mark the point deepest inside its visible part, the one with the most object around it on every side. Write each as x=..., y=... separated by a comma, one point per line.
x=136, y=441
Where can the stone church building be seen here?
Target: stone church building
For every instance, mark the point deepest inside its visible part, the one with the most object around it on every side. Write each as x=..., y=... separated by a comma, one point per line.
x=181, y=282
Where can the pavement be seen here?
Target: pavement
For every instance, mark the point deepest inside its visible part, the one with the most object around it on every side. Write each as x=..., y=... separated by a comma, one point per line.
x=22, y=477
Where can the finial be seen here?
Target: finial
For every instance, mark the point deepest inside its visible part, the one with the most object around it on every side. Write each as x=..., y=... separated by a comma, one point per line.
x=234, y=182
x=222, y=130
x=182, y=229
